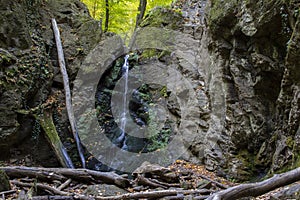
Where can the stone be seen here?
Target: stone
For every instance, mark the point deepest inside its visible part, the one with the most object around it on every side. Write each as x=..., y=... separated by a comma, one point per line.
x=104, y=190
x=4, y=182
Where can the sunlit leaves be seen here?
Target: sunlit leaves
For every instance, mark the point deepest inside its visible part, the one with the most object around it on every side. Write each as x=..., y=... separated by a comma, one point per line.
x=122, y=13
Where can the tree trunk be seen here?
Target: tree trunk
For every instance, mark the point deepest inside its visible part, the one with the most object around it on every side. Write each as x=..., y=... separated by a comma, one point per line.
x=142, y=10
x=106, y=15
x=95, y=8
x=69, y=106
x=257, y=189
x=45, y=119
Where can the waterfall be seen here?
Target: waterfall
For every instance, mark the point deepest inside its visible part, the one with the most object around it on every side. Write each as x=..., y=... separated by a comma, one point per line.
x=125, y=69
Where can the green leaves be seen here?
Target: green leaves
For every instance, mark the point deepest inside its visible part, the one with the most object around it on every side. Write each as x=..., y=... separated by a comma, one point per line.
x=122, y=13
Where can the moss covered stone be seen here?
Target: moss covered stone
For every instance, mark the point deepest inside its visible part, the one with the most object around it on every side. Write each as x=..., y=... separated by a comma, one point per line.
x=162, y=17
x=4, y=181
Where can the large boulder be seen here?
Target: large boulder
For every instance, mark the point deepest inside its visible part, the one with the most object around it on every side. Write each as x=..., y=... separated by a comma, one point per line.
x=29, y=70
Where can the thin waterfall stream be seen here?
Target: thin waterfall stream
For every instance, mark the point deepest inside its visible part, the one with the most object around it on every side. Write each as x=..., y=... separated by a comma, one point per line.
x=125, y=70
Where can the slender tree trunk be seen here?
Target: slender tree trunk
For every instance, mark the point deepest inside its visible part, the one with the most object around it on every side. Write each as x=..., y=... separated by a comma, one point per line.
x=142, y=10
x=106, y=15
x=95, y=8
x=61, y=62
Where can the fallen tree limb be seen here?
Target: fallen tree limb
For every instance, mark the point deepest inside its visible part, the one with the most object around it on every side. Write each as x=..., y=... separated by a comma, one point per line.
x=62, y=65
x=7, y=192
x=65, y=184
x=168, y=185
x=82, y=175
x=155, y=194
x=20, y=172
x=75, y=197
x=42, y=187
x=141, y=180
x=220, y=185
x=259, y=188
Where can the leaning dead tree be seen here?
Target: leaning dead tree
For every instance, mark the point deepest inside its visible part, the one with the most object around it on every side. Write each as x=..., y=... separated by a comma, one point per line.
x=43, y=114
x=62, y=65
x=257, y=189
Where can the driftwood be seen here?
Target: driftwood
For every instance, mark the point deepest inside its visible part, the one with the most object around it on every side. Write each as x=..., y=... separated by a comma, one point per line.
x=62, y=65
x=155, y=194
x=42, y=187
x=59, y=179
x=259, y=188
x=82, y=175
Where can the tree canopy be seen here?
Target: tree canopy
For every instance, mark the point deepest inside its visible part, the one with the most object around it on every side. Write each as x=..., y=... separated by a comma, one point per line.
x=122, y=13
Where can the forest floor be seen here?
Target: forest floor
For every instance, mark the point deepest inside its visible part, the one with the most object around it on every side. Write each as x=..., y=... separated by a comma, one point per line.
x=190, y=180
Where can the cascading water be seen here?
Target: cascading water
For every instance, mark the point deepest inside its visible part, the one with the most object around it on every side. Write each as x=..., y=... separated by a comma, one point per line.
x=125, y=70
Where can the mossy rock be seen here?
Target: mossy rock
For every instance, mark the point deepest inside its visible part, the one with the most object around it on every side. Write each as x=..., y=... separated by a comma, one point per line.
x=4, y=181
x=161, y=17
x=222, y=16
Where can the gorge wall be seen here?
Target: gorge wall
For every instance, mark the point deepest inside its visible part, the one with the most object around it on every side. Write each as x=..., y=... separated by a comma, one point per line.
x=29, y=69
x=244, y=72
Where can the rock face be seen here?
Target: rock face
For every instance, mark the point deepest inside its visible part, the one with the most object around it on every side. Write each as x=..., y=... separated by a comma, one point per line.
x=240, y=58
x=254, y=44
x=247, y=82
x=28, y=61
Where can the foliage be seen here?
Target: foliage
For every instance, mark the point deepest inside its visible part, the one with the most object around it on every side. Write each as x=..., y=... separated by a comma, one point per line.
x=122, y=13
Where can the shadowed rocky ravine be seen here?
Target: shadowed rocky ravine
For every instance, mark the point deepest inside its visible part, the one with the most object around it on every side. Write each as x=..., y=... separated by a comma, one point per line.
x=240, y=59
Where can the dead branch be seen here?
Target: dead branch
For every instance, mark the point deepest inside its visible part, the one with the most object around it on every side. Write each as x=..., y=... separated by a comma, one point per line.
x=259, y=188
x=48, y=197
x=154, y=194
x=141, y=180
x=65, y=184
x=7, y=192
x=61, y=61
x=42, y=187
x=82, y=175
x=220, y=185
x=168, y=185
x=19, y=172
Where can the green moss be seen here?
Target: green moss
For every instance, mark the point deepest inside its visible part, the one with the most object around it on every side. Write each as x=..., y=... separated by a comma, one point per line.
x=219, y=9
x=163, y=17
x=290, y=142
x=248, y=160
x=222, y=16
x=149, y=53
x=47, y=124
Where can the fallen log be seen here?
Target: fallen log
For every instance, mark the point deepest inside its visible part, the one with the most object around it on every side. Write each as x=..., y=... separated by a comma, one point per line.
x=258, y=188
x=48, y=197
x=82, y=175
x=220, y=185
x=154, y=194
x=20, y=172
x=42, y=187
